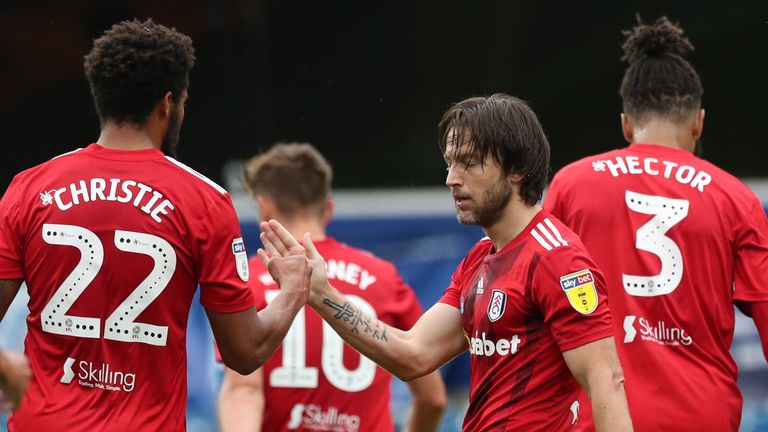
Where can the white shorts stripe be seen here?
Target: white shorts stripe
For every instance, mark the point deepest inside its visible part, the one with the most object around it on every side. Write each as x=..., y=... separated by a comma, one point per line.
x=539, y=239
x=555, y=231
x=547, y=234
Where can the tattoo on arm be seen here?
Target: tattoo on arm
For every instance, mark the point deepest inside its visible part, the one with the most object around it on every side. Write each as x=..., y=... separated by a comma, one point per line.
x=357, y=320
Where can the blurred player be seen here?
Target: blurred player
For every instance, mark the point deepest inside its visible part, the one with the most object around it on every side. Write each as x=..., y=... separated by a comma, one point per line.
x=680, y=241
x=527, y=301
x=315, y=381
x=15, y=372
x=112, y=241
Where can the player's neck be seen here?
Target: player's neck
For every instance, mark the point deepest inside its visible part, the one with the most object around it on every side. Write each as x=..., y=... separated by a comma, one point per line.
x=664, y=133
x=517, y=216
x=125, y=137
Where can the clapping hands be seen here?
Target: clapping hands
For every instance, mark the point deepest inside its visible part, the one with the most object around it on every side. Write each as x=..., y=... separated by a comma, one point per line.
x=280, y=245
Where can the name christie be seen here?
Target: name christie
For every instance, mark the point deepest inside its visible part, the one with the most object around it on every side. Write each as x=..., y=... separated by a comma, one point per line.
x=138, y=194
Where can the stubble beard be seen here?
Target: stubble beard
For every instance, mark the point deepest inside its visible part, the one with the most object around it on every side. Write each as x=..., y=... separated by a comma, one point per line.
x=491, y=208
x=171, y=138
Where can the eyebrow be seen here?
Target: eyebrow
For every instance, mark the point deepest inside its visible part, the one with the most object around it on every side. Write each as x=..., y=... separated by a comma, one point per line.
x=462, y=156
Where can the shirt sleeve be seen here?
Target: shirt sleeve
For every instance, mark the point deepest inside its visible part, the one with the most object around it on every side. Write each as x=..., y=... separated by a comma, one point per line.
x=452, y=294
x=11, y=266
x=751, y=256
x=570, y=292
x=223, y=272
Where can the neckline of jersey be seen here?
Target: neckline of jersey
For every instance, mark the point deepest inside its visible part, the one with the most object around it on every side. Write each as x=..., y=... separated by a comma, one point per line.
x=100, y=151
x=520, y=238
x=658, y=148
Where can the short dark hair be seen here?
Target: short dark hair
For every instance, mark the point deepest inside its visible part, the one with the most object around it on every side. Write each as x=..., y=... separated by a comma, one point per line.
x=132, y=65
x=505, y=127
x=295, y=175
x=659, y=80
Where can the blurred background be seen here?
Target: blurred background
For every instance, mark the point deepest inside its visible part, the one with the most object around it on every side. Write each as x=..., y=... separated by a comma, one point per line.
x=367, y=82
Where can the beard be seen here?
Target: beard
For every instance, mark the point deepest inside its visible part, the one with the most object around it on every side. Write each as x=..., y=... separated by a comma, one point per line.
x=171, y=138
x=491, y=207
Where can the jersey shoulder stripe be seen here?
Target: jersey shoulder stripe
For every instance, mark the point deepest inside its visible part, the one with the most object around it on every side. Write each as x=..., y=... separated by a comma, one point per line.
x=210, y=182
x=67, y=153
x=547, y=235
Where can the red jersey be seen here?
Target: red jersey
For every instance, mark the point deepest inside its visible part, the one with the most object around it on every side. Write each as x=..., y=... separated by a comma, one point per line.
x=521, y=307
x=112, y=245
x=679, y=241
x=315, y=381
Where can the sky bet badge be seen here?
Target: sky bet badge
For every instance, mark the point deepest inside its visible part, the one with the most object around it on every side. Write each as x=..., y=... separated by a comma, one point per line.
x=241, y=258
x=580, y=289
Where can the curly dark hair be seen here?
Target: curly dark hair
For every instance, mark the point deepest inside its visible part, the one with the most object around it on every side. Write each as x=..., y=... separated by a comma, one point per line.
x=506, y=128
x=295, y=175
x=659, y=80
x=132, y=65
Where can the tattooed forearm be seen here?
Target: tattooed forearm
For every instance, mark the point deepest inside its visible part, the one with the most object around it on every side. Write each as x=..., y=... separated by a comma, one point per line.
x=357, y=320
x=342, y=312
x=8, y=290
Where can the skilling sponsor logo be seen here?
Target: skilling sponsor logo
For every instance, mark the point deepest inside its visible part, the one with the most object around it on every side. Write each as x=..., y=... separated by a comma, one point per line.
x=313, y=417
x=101, y=376
x=481, y=346
x=660, y=332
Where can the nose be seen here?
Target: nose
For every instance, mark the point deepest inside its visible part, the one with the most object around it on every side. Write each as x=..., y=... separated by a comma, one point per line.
x=453, y=178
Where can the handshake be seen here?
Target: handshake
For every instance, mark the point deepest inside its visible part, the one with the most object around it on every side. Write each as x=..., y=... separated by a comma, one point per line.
x=297, y=268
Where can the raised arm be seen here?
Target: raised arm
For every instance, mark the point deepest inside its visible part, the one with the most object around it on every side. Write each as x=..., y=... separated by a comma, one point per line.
x=241, y=401
x=247, y=339
x=596, y=366
x=435, y=338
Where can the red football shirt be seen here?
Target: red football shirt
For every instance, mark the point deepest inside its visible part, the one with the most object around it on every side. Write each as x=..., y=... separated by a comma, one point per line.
x=521, y=307
x=679, y=240
x=315, y=381
x=112, y=245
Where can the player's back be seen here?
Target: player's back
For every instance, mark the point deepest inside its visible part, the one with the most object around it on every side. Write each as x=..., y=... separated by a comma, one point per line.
x=664, y=227
x=113, y=244
x=315, y=381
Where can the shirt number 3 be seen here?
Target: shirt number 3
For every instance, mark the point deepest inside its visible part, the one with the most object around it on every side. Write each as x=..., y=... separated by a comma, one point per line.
x=651, y=237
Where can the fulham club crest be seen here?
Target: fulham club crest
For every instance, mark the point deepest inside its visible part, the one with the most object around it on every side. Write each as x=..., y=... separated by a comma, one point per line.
x=497, y=305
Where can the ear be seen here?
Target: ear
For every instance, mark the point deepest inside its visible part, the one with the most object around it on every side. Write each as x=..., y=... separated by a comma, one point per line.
x=627, y=129
x=328, y=213
x=166, y=105
x=698, y=124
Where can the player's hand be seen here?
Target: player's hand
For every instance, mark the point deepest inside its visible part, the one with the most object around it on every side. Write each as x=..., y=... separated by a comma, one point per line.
x=319, y=276
x=279, y=242
x=285, y=259
x=14, y=377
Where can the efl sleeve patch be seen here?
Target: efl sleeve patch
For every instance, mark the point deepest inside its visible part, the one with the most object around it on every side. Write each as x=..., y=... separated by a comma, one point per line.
x=241, y=258
x=581, y=292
